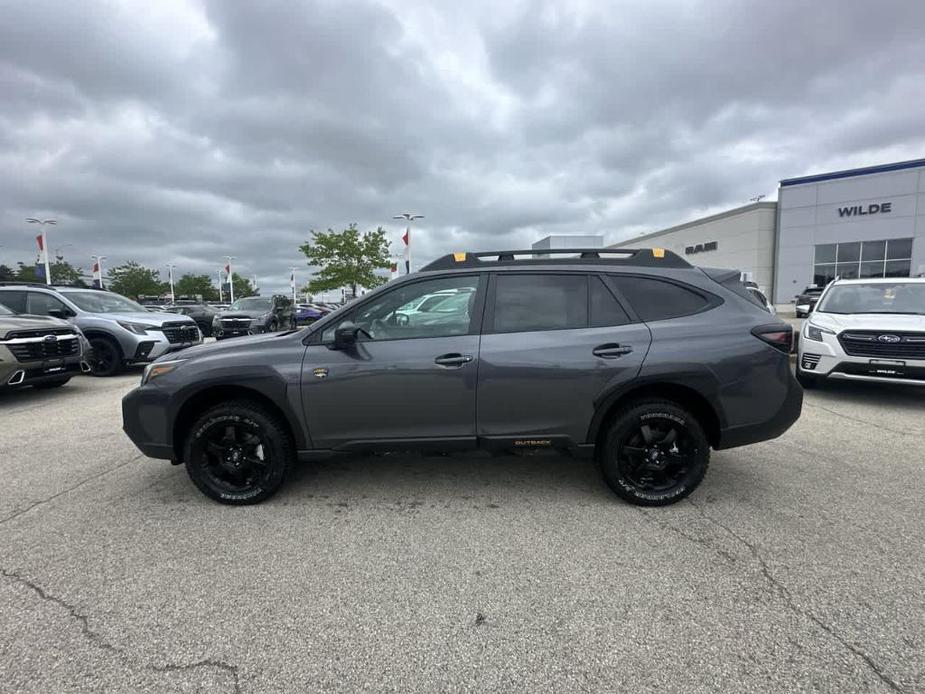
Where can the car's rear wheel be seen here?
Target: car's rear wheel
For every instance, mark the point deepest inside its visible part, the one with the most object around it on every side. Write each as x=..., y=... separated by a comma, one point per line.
x=238, y=453
x=106, y=357
x=52, y=384
x=655, y=453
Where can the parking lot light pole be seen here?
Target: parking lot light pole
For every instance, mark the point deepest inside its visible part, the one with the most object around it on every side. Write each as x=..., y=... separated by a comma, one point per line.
x=221, y=294
x=173, y=298
x=43, y=223
x=292, y=282
x=408, y=217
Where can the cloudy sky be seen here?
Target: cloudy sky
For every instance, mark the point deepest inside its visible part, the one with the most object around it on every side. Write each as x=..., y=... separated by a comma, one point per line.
x=184, y=130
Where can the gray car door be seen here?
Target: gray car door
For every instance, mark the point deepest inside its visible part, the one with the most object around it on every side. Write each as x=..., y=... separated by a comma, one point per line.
x=553, y=345
x=411, y=377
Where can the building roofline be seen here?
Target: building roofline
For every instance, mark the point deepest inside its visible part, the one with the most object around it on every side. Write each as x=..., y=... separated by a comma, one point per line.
x=769, y=205
x=848, y=173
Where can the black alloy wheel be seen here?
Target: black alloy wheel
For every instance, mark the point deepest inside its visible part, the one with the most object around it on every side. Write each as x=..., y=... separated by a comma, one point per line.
x=655, y=453
x=237, y=453
x=106, y=357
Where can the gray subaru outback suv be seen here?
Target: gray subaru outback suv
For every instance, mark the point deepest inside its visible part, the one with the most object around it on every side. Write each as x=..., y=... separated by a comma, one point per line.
x=633, y=356
x=120, y=331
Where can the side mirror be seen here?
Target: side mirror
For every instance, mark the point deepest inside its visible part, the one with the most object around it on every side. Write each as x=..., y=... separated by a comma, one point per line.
x=345, y=336
x=62, y=313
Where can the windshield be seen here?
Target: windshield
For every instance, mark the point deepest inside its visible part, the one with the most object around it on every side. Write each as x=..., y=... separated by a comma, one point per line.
x=4, y=311
x=251, y=303
x=879, y=297
x=104, y=302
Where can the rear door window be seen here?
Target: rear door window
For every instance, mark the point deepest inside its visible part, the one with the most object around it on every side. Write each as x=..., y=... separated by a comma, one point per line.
x=655, y=299
x=528, y=302
x=40, y=304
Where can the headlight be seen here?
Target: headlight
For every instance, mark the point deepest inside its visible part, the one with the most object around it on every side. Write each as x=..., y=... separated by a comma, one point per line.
x=137, y=328
x=216, y=322
x=814, y=332
x=158, y=369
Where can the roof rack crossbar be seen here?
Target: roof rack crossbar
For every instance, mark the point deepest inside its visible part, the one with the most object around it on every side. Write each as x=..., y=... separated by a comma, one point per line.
x=655, y=257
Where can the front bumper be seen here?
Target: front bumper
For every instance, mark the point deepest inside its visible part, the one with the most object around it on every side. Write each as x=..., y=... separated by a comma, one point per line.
x=144, y=420
x=34, y=373
x=827, y=359
x=141, y=349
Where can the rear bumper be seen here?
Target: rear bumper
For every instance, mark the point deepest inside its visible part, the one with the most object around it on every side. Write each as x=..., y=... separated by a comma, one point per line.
x=783, y=419
x=144, y=420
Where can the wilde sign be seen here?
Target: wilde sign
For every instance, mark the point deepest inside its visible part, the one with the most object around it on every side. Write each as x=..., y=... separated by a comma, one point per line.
x=861, y=210
x=701, y=247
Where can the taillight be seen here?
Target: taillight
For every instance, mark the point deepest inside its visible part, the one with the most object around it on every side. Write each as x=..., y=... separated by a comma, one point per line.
x=778, y=335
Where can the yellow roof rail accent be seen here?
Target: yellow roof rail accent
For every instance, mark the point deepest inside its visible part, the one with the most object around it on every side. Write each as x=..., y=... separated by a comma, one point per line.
x=459, y=257
x=658, y=252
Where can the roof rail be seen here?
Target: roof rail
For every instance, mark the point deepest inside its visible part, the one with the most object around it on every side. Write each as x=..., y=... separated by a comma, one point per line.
x=40, y=285
x=640, y=257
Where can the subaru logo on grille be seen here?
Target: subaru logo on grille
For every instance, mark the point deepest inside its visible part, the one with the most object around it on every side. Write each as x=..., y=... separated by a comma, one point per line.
x=51, y=338
x=889, y=338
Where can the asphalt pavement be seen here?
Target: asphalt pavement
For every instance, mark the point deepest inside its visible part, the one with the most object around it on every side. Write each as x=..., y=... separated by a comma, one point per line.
x=797, y=566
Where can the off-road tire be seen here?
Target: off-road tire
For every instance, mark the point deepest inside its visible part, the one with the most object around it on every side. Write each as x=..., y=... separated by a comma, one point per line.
x=252, y=418
x=106, y=356
x=626, y=426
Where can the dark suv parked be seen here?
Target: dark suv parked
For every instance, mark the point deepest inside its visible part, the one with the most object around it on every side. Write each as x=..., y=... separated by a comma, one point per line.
x=254, y=314
x=635, y=356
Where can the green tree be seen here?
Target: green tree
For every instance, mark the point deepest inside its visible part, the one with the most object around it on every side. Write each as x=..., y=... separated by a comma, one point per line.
x=62, y=272
x=7, y=274
x=134, y=280
x=193, y=285
x=243, y=287
x=347, y=258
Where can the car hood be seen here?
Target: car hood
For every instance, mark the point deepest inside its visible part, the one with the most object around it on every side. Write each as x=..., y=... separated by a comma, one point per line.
x=9, y=324
x=147, y=317
x=869, y=321
x=209, y=349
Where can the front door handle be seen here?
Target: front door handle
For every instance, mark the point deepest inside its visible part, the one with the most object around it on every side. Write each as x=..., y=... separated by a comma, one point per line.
x=453, y=359
x=611, y=350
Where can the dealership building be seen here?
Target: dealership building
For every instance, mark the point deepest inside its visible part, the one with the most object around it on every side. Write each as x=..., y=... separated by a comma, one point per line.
x=867, y=222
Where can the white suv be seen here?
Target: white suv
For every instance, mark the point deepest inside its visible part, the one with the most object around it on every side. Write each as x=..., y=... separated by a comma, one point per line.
x=866, y=330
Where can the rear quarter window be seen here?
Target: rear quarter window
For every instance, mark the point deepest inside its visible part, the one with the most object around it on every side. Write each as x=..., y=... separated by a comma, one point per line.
x=655, y=299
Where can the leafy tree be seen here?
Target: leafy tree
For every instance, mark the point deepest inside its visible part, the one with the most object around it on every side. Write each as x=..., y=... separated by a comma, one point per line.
x=62, y=272
x=347, y=258
x=7, y=274
x=243, y=287
x=134, y=280
x=193, y=285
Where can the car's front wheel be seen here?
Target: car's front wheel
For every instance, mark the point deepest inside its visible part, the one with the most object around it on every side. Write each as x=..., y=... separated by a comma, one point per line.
x=106, y=357
x=238, y=453
x=655, y=453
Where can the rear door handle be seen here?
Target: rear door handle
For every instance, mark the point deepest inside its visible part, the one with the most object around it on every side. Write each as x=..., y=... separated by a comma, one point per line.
x=611, y=350
x=453, y=359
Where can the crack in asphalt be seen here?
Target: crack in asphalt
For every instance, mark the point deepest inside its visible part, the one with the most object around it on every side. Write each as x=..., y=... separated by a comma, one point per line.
x=859, y=420
x=91, y=478
x=98, y=640
x=787, y=597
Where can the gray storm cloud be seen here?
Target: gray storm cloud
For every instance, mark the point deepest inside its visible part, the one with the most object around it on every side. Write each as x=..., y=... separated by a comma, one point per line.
x=188, y=131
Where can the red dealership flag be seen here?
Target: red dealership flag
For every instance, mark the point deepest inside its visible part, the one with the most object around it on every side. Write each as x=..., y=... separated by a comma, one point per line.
x=228, y=269
x=38, y=240
x=96, y=268
x=407, y=236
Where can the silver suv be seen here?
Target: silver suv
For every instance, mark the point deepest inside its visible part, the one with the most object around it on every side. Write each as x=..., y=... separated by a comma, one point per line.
x=120, y=331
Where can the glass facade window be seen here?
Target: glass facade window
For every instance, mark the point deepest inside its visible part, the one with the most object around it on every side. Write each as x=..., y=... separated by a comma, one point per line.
x=862, y=259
